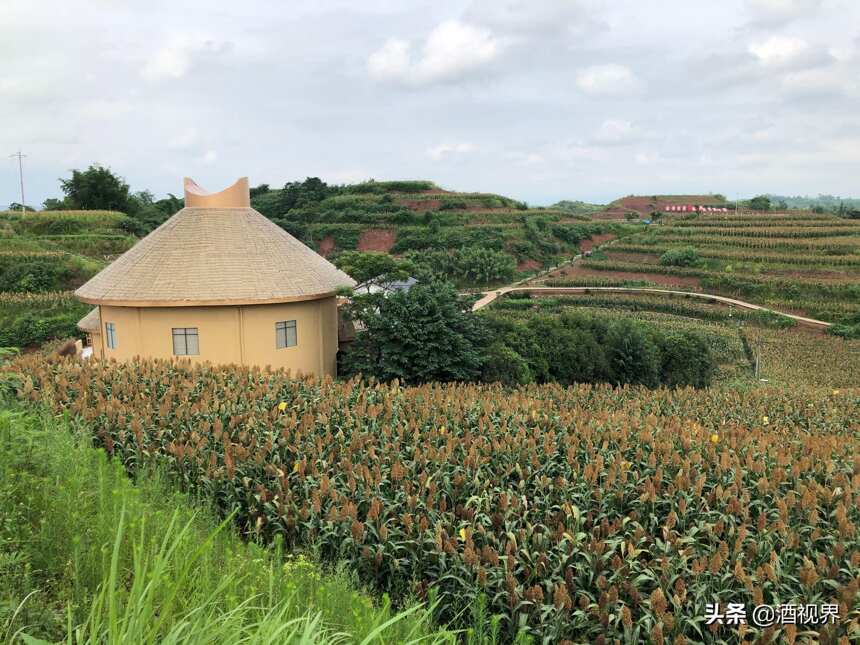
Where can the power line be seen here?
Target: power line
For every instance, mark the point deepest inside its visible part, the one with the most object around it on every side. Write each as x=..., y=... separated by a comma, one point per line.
x=21, y=176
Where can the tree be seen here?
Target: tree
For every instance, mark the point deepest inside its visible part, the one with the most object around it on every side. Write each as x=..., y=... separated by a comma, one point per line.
x=296, y=194
x=96, y=188
x=760, y=203
x=54, y=204
x=369, y=265
x=685, y=256
x=427, y=333
x=15, y=206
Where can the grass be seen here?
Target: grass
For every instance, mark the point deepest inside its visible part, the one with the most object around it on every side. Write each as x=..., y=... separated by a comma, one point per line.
x=88, y=556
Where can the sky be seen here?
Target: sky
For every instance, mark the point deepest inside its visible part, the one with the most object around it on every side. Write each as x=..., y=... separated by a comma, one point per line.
x=539, y=100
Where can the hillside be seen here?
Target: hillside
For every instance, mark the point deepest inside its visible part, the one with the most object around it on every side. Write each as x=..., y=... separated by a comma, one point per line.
x=43, y=257
x=428, y=225
x=645, y=205
x=802, y=262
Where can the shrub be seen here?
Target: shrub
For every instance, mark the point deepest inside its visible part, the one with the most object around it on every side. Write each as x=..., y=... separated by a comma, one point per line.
x=685, y=256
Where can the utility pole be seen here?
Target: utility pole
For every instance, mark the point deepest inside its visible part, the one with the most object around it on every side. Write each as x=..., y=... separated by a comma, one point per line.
x=21, y=176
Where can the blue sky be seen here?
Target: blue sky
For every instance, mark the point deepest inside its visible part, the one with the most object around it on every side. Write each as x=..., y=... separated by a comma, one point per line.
x=540, y=100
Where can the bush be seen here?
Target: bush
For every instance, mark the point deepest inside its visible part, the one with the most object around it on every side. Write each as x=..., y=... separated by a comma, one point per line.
x=425, y=334
x=686, y=256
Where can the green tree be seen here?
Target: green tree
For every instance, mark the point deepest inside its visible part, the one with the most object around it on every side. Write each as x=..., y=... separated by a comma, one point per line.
x=368, y=265
x=310, y=191
x=15, y=206
x=633, y=357
x=685, y=256
x=97, y=188
x=427, y=333
x=760, y=203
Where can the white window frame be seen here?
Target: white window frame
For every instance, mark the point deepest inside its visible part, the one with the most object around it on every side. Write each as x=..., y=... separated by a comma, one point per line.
x=183, y=334
x=286, y=331
x=110, y=335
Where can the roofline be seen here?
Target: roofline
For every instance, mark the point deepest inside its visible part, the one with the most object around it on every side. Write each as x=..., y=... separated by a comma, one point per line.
x=217, y=302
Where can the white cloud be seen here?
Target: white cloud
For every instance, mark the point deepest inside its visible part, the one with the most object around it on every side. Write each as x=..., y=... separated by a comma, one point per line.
x=176, y=58
x=616, y=132
x=779, y=50
x=610, y=79
x=185, y=140
x=210, y=157
x=444, y=150
x=780, y=11
x=525, y=17
x=391, y=61
x=452, y=50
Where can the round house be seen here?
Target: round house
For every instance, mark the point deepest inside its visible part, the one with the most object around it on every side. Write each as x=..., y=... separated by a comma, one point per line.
x=218, y=282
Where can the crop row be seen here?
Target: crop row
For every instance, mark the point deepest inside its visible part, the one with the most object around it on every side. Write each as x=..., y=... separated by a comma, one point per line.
x=827, y=223
x=835, y=246
x=580, y=512
x=846, y=284
x=746, y=256
x=761, y=231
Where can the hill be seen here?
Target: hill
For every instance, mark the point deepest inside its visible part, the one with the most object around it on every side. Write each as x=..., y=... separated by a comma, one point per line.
x=43, y=256
x=644, y=205
x=443, y=231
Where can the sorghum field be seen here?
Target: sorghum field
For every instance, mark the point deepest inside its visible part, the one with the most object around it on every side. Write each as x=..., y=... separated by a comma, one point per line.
x=799, y=262
x=583, y=514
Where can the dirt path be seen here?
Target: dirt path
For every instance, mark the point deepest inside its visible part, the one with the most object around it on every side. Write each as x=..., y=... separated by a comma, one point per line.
x=492, y=296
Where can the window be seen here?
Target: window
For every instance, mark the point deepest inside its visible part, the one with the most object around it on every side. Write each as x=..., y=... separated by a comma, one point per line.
x=110, y=335
x=185, y=341
x=285, y=334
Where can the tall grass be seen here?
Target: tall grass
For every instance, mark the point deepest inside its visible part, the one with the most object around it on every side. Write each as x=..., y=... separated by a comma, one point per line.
x=88, y=556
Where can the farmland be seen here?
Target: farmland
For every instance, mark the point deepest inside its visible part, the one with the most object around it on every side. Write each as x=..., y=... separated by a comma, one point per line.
x=419, y=221
x=797, y=263
x=576, y=513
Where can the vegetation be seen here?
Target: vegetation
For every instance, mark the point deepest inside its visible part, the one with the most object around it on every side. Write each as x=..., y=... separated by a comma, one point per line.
x=798, y=262
x=88, y=556
x=30, y=319
x=685, y=256
x=576, y=513
x=577, y=347
x=425, y=334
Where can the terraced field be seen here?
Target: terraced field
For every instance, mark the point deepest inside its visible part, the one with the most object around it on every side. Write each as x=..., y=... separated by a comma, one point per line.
x=806, y=264
x=414, y=218
x=43, y=256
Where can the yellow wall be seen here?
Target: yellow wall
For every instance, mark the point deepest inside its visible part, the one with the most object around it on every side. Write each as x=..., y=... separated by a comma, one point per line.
x=244, y=335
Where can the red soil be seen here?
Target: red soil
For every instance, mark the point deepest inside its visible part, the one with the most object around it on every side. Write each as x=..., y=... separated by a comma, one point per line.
x=420, y=205
x=597, y=240
x=641, y=258
x=377, y=239
x=326, y=245
x=657, y=278
x=528, y=265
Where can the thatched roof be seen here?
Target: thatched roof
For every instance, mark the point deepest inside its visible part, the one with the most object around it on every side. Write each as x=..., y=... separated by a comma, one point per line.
x=224, y=255
x=91, y=322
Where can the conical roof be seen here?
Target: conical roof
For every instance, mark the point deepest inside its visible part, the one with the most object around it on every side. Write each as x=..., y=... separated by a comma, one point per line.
x=91, y=322
x=215, y=253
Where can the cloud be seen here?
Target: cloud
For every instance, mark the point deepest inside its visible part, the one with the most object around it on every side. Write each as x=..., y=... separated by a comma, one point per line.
x=615, y=132
x=779, y=50
x=443, y=150
x=391, y=61
x=775, y=12
x=176, y=58
x=607, y=80
x=532, y=17
x=452, y=50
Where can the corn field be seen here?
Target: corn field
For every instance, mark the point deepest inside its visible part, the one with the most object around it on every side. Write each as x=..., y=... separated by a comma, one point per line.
x=585, y=514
